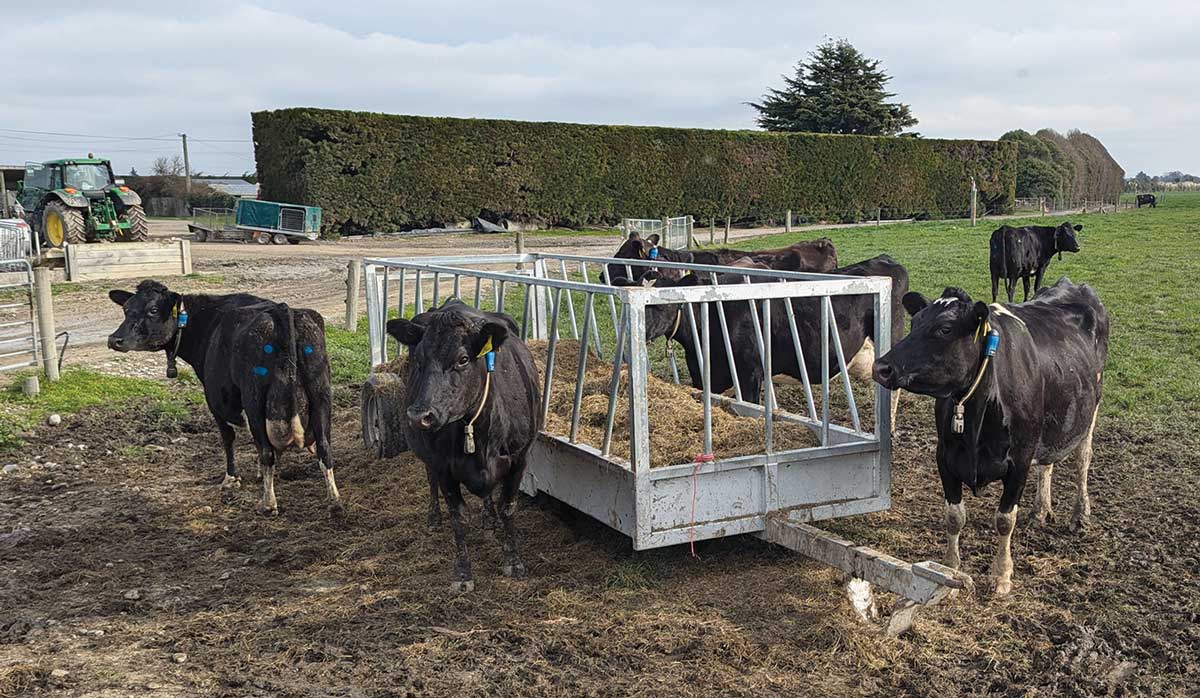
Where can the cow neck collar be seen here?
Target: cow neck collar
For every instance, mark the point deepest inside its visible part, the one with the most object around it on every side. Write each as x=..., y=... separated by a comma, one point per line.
x=981, y=333
x=180, y=315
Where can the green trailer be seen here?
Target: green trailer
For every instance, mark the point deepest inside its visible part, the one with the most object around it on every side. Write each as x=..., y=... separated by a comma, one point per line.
x=262, y=221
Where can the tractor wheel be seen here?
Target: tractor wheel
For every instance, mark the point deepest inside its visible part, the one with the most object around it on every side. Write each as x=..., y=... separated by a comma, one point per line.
x=262, y=238
x=62, y=224
x=279, y=239
x=138, y=231
x=382, y=402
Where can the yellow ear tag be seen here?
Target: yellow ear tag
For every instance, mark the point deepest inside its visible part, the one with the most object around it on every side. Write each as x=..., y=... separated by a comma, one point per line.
x=487, y=346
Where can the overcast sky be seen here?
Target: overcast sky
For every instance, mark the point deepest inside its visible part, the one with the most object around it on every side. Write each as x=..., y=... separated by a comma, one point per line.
x=1127, y=73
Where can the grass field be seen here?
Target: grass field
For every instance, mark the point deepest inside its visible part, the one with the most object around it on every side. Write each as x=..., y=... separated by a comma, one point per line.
x=1143, y=264
x=230, y=603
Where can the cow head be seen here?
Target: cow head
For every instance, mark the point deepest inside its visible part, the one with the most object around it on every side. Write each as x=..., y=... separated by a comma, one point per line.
x=1064, y=238
x=446, y=367
x=637, y=247
x=940, y=355
x=150, y=320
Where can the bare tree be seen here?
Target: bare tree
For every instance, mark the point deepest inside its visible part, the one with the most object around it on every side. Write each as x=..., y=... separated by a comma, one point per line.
x=167, y=166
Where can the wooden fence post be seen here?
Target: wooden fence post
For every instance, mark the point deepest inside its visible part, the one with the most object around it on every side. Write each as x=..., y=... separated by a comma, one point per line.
x=45, y=321
x=353, y=282
x=712, y=230
x=727, y=223
x=787, y=222
x=974, y=201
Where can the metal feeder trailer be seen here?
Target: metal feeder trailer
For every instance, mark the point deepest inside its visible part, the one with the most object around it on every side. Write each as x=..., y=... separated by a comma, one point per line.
x=262, y=221
x=774, y=494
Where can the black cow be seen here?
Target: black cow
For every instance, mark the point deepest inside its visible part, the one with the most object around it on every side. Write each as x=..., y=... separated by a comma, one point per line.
x=262, y=365
x=1021, y=252
x=471, y=426
x=809, y=256
x=1029, y=406
x=855, y=317
x=1147, y=199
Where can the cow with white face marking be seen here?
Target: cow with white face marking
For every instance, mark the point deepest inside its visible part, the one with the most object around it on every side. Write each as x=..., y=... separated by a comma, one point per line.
x=262, y=364
x=1018, y=388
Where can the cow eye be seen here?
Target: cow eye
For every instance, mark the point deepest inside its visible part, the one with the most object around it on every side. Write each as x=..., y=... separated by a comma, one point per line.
x=945, y=330
x=463, y=361
x=152, y=312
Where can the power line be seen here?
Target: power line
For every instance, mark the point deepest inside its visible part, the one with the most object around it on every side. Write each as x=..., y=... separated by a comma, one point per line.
x=88, y=135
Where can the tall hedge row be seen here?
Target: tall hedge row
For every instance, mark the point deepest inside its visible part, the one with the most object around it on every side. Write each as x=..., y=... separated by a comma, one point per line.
x=380, y=172
x=1073, y=169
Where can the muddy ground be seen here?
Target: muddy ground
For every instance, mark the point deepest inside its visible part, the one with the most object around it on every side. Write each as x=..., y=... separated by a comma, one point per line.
x=124, y=574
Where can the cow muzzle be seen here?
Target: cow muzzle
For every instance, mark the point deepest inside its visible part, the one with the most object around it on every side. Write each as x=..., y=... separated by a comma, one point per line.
x=885, y=374
x=117, y=343
x=422, y=418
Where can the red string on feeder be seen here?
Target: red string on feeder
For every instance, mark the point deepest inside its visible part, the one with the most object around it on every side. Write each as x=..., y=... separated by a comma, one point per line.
x=699, y=460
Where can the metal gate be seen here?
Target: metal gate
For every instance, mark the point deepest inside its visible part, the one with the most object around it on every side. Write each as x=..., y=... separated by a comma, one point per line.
x=18, y=326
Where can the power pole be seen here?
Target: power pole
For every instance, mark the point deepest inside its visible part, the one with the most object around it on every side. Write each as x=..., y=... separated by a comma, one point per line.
x=187, y=168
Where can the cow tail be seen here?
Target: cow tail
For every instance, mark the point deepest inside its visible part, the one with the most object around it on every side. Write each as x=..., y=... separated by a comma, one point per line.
x=284, y=427
x=1005, y=251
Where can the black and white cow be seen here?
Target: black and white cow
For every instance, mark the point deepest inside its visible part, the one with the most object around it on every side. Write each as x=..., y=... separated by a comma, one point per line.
x=854, y=315
x=1148, y=200
x=262, y=365
x=1021, y=252
x=1030, y=405
x=471, y=416
x=809, y=256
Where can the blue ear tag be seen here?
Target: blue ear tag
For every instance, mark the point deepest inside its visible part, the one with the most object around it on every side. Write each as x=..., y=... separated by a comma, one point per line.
x=490, y=359
x=654, y=252
x=992, y=344
x=183, y=318
x=260, y=370
x=307, y=348
x=268, y=349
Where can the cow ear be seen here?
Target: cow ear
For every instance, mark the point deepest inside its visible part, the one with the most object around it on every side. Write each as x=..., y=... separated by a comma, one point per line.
x=980, y=311
x=495, y=332
x=634, y=236
x=118, y=296
x=406, y=332
x=914, y=302
x=650, y=277
x=1078, y=227
x=653, y=239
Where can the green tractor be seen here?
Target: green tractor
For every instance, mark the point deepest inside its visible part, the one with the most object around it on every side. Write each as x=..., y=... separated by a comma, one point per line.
x=77, y=200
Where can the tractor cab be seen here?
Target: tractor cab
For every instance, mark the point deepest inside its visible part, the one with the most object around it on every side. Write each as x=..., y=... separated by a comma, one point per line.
x=78, y=200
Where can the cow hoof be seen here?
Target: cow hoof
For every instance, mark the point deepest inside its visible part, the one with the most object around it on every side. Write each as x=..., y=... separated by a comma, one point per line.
x=268, y=510
x=337, y=510
x=434, y=525
x=1041, y=518
x=1080, y=524
x=513, y=570
x=463, y=587
x=1003, y=587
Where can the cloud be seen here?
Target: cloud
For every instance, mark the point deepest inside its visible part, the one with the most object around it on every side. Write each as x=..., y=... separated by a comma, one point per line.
x=1130, y=78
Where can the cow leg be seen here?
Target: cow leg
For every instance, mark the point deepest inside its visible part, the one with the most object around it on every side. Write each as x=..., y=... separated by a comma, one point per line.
x=895, y=408
x=1037, y=278
x=462, y=581
x=434, y=521
x=512, y=566
x=956, y=518
x=319, y=427
x=266, y=461
x=1043, y=510
x=1010, y=287
x=1025, y=284
x=1083, y=505
x=995, y=285
x=231, y=481
x=1006, y=523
